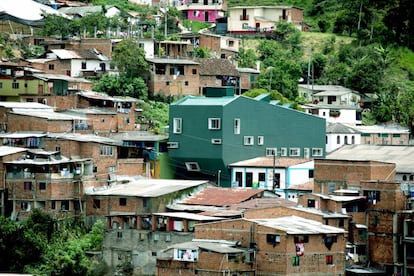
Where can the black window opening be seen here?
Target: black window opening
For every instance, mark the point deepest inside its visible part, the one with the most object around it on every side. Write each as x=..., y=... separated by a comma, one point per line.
x=239, y=179
x=249, y=179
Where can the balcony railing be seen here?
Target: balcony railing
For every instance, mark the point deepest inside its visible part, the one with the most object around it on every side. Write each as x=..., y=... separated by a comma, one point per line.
x=244, y=17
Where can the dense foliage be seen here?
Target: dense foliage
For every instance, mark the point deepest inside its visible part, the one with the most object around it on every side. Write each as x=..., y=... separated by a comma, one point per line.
x=42, y=245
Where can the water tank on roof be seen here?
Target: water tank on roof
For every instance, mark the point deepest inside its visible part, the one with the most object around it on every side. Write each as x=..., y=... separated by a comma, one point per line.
x=219, y=91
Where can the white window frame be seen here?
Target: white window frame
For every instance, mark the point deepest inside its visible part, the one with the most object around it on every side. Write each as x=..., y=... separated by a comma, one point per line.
x=260, y=140
x=283, y=151
x=192, y=166
x=236, y=126
x=177, y=125
x=216, y=141
x=214, y=123
x=106, y=150
x=172, y=145
x=317, y=151
x=271, y=151
x=295, y=152
x=248, y=140
x=306, y=153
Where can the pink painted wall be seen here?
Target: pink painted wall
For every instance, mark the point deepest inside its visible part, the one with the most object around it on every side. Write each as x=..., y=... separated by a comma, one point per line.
x=200, y=15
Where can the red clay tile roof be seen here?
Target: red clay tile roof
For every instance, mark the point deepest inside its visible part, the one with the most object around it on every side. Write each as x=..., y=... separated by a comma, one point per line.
x=217, y=67
x=307, y=186
x=222, y=196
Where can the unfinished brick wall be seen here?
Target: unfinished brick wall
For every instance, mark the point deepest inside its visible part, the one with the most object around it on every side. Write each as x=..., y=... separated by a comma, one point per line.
x=347, y=173
x=112, y=204
x=18, y=122
x=232, y=230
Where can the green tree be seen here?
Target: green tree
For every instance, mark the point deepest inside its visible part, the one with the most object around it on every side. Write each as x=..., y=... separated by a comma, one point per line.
x=130, y=58
x=56, y=25
x=282, y=69
x=202, y=52
x=122, y=85
x=247, y=58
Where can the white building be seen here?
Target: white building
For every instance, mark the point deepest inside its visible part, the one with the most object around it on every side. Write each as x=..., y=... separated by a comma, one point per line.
x=271, y=173
x=338, y=134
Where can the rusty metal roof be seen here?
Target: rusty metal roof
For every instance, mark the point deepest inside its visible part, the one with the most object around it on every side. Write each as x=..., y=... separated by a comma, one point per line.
x=222, y=196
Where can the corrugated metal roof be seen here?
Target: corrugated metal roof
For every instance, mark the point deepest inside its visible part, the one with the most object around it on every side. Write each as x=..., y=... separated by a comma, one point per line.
x=23, y=134
x=60, y=77
x=214, y=246
x=26, y=10
x=340, y=128
x=28, y=105
x=382, y=129
x=5, y=150
x=402, y=156
x=331, y=106
x=324, y=214
x=79, y=54
x=324, y=87
x=172, y=61
x=332, y=93
x=46, y=114
x=340, y=198
x=84, y=138
x=248, y=70
x=222, y=196
x=103, y=96
x=267, y=162
x=190, y=216
x=205, y=101
x=138, y=136
x=295, y=225
x=148, y=187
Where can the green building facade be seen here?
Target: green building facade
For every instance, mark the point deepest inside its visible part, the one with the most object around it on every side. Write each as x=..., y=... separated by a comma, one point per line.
x=208, y=133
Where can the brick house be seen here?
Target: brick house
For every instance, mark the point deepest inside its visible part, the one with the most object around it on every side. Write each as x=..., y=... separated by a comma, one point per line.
x=104, y=45
x=248, y=78
x=20, y=83
x=400, y=155
x=46, y=180
x=284, y=246
x=384, y=134
x=174, y=49
x=261, y=19
x=136, y=201
x=110, y=157
x=332, y=218
x=73, y=63
x=28, y=116
x=24, y=139
x=216, y=72
x=201, y=255
x=173, y=77
x=7, y=153
x=122, y=109
x=376, y=203
x=220, y=46
x=138, y=221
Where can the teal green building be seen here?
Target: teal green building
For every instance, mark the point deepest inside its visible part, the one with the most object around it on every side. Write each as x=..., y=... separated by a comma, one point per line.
x=209, y=132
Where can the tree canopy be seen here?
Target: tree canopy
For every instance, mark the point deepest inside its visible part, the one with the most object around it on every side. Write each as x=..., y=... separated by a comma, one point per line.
x=130, y=58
